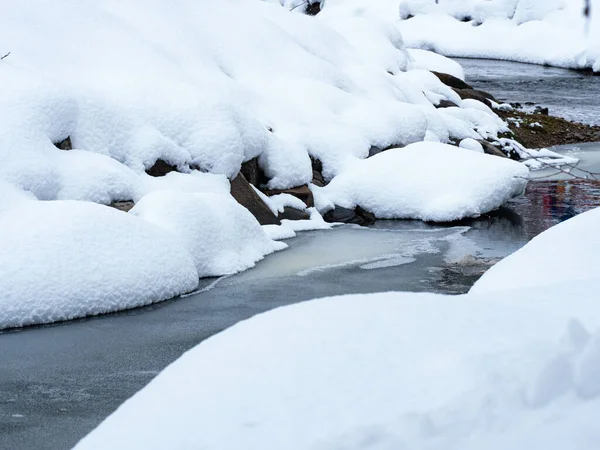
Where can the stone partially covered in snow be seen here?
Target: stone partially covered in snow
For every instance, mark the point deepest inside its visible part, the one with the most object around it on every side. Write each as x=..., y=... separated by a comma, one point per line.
x=383, y=371
x=427, y=181
x=569, y=251
x=221, y=235
x=65, y=259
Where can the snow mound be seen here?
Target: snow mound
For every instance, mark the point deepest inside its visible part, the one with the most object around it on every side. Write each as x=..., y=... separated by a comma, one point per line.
x=427, y=181
x=384, y=371
x=65, y=259
x=222, y=236
x=569, y=251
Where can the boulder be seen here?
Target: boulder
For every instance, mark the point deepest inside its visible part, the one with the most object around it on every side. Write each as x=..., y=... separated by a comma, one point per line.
x=246, y=196
x=490, y=149
x=252, y=172
x=301, y=192
x=160, y=168
x=293, y=214
x=313, y=8
x=345, y=215
x=452, y=81
x=65, y=144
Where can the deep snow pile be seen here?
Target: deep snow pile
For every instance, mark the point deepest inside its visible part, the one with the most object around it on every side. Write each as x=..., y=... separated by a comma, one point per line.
x=553, y=32
x=427, y=181
x=65, y=259
x=517, y=369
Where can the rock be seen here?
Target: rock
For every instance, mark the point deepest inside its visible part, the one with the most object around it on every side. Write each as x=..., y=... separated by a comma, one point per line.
x=490, y=149
x=445, y=104
x=65, y=144
x=452, y=81
x=316, y=164
x=293, y=214
x=301, y=192
x=318, y=179
x=313, y=8
x=252, y=172
x=542, y=111
x=246, y=196
x=475, y=94
x=123, y=206
x=160, y=168
x=344, y=215
x=374, y=151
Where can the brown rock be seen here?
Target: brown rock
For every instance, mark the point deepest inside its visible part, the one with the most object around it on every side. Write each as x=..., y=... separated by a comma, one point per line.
x=490, y=149
x=452, y=81
x=160, y=168
x=246, y=196
x=252, y=172
x=65, y=144
x=293, y=214
x=123, y=206
x=475, y=94
x=445, y=104
x=318, y=179
x=301, y=192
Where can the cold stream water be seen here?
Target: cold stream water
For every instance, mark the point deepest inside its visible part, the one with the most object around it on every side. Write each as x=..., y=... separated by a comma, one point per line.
x=58, y=382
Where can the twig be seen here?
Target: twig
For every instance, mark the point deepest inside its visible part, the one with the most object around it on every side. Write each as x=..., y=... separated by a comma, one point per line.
x=299, y=5
x=2, y=57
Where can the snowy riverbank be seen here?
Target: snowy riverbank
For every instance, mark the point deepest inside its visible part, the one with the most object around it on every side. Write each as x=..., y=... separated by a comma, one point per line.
x=134, y=113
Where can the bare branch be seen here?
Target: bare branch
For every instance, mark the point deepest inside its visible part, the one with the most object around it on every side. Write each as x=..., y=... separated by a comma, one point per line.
x=305, y=2
x=2, y=57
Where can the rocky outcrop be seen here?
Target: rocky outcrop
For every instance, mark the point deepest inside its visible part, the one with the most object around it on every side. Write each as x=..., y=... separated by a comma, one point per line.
x=446, y=104
x=253, y=173
x=246, y=196
x=490, y=149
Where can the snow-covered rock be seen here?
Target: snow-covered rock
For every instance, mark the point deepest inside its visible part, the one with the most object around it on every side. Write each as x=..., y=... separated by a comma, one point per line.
x=62, y=260
x=567, y=252
x=427, y=181
x=221, y=235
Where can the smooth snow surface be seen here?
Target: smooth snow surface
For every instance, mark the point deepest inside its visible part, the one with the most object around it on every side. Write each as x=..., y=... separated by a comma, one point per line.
x=427, y=181
x=568, y=252
x=382, y=371
x=65, y=259
x=553, y=32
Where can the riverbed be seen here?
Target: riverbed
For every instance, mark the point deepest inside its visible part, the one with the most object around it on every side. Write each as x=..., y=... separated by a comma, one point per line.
x=58, y=382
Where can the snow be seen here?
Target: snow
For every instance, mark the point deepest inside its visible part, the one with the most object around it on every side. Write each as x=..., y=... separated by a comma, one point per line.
x=427, y=181
x=222, y=236
x=424, y=59
x=204, y=90
x=471, y=144
x=552, y=32
x=393, y=370
x=62, y=260
x=568, y=252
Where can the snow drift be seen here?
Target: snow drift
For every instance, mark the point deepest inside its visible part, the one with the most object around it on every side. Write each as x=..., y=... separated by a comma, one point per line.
x=553, y=32
x=399, y=370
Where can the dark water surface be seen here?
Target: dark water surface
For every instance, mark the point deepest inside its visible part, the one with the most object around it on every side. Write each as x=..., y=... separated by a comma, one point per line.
x=567, y=93
x=58, y=382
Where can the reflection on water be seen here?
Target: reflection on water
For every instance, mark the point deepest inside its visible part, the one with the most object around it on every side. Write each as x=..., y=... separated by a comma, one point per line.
x=547, y=203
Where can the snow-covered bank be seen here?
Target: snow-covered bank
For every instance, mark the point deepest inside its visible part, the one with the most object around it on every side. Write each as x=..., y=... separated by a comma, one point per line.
x=198, y=91
x=551, y=32
x=515, y=369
